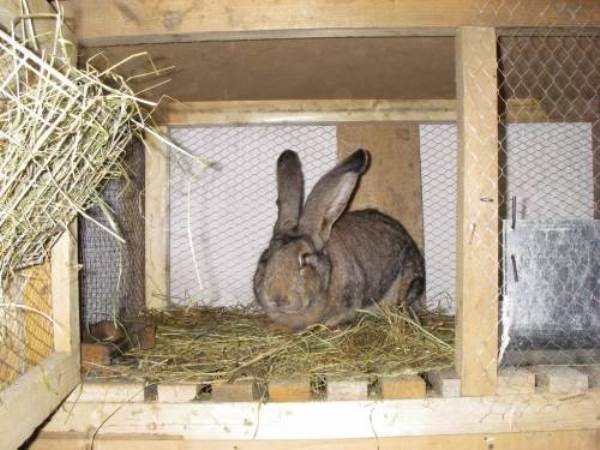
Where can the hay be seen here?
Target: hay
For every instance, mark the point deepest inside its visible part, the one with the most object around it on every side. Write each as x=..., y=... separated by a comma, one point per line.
x=63, y=133
x=221, y=345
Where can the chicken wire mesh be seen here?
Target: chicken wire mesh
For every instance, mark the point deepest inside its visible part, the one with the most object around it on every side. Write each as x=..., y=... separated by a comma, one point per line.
x=112, y=274
x=26, y=330
x=548, y=82
x=221, y=220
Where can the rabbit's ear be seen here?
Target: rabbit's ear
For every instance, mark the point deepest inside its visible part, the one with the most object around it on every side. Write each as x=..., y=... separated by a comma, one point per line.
x=330, y=196
x=290, y=191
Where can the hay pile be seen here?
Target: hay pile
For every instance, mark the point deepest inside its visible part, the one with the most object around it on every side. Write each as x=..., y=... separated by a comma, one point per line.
x=63, y=132
x=220, y=345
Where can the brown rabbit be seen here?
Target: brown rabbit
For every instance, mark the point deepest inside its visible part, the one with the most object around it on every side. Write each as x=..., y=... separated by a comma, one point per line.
x=323, y=263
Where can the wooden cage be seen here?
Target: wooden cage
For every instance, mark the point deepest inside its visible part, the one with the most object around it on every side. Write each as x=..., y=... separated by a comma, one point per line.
x=426, y=62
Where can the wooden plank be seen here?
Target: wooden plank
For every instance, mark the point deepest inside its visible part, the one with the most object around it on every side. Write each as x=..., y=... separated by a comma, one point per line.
x=445, y=382
x=157, y=222
x=32, y=397
x=65, y=293
x=560, y=379
x=239, y=391
x=94, y=391
x=321, y=420
x=572, y=440
x=290, y=390
x=340, y=389
x=515, y=381
x=292, y=69
x=403, y=386
x=392, y=183
x=156, y=21
x=176, y=392
x=309, y=111
x=477, y=229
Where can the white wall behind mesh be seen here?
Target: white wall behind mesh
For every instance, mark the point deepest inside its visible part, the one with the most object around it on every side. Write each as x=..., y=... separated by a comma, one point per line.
x=226, y=216
x=438, y=178
x=549, y=169
x=221, y=220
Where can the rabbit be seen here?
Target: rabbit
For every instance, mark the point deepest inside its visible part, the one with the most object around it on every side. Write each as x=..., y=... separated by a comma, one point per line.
x=323, y=263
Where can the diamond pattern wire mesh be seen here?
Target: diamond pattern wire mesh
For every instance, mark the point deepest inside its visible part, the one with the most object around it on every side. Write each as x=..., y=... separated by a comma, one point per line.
x=26, y=335
x=222, y=219
x=112, y=275
x=548, y=87
x=438, y=178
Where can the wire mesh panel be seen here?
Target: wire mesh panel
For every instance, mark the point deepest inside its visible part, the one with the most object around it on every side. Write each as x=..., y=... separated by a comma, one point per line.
x=438, y=177
x=112, y=276
x=222, y=219
x=26, y=329
x=550, y=196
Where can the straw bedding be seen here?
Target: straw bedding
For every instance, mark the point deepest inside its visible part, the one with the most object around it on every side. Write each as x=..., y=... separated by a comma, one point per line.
x=222, y=345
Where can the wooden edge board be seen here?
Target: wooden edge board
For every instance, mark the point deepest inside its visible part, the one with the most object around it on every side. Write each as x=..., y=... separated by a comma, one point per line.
x=445, y=383
x=176, y=392
x=515, y=381
x=32, y=397
x=239, y=391
x=342, y=389
x=298, y=390
x=138, y=22
x=403, y=386
x=307, y=111
x=543, y=440
x=92, y=391
x=321, y=420
x=560, y=379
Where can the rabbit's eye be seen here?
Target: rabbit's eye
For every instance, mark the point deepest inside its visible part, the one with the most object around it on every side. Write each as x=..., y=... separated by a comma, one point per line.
x=303, y=259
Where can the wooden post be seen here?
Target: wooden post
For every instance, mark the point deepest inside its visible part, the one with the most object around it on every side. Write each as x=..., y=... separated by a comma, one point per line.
x=393, y=182
x=157, y=222
x=65, y=293
x=477, y=243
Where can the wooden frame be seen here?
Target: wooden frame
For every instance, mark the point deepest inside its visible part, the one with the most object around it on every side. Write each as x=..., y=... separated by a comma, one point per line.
x=184, y=20
x=156, y=198
x=541, y=440
x=477, y=211
x=32, y=397
x=257, y=422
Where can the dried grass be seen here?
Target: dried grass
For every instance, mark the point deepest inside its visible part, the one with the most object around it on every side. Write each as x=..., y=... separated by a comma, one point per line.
x=63, y=133
x=221, y=345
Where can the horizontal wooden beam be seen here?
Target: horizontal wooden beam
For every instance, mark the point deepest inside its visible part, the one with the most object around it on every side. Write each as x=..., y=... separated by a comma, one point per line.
x=117, y=22
x=32, y=397
x=573, y=440
x=308, y=111
x=321, y=420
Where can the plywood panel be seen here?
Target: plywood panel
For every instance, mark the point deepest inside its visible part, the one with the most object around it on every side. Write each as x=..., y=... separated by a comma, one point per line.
x=393, y=68
x=392, y=183
x=571, y=440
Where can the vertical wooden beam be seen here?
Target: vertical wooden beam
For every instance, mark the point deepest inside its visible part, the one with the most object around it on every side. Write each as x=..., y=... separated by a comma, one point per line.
x=157, y=222
x=393, y=182
x=65, y=292
x=477, y=243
